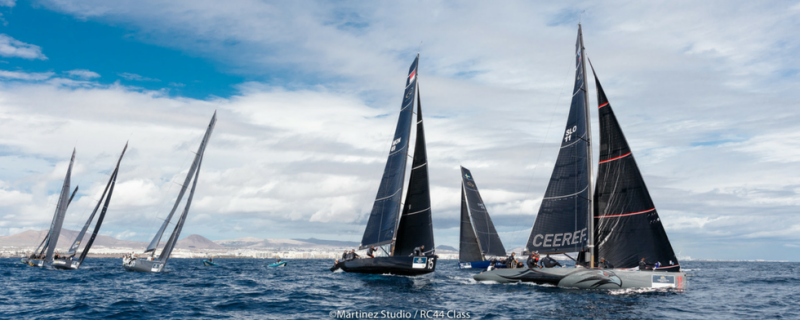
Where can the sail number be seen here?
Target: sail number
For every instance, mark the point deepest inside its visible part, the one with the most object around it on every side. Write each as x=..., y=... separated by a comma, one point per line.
x=395, y=143
x=568, y=134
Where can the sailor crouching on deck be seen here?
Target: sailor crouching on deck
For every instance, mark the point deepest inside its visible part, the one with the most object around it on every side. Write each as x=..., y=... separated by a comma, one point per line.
x=549, y=262
x=605, y=264
x=371, y=252
x=419, y=251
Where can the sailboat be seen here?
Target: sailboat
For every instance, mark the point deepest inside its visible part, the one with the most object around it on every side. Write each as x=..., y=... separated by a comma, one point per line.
x=619, y=223
x=479, y=238
x=45, y=252
x=154, y=263
x=67, y=261
x=404, y=227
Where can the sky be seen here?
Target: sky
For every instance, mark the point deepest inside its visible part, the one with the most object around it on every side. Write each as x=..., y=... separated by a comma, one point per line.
x=308, y=93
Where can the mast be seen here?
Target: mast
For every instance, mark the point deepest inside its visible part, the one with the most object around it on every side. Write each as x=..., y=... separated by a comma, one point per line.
x=589, y=163
x=173, y=238
x=157, y=238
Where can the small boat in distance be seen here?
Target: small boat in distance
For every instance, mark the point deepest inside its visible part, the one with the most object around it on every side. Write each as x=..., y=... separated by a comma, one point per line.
x=619, y=222
x=278, y=263
x=479, y=238
x=209, y=263
x=67, y=262
x=45, y=252
x=152, y=263
x=405, y=227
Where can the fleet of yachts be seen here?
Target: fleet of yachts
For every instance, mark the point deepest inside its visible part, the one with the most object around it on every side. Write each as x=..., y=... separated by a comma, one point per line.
x=610, y=228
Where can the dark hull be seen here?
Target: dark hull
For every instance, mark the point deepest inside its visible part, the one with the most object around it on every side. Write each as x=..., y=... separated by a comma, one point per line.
x=390, y=265
x=583, y=278
x=479, y=265
x=33, y=262
x=66, y=264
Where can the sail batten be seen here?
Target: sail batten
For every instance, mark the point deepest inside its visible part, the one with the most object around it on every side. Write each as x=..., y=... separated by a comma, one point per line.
x=383, y=219
x=562, y=224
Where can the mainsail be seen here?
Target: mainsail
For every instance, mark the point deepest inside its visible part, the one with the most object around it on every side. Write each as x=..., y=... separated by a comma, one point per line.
x=61, y=211
x=173, y=238
x=416, y=227
x=192, y=169
x=562, y=222
x=628, y=227
x=490, y=243
x=382, y=222
x=110, y=190
x=468, y=249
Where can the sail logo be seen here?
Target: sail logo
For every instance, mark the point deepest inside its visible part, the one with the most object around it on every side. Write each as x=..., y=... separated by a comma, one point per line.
x=569, y=132
x=412, y=76
x=395, y=143
x=466, y=175
x=419, y=263
x=551, y=240
x=480, y=205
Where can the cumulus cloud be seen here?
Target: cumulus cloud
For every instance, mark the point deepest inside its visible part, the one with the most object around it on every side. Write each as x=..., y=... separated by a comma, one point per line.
x=135, y=77
x=13, y=48
x=19, y=75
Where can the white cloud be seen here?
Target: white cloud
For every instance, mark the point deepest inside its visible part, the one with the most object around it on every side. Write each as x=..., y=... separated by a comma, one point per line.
x=12, y=48
x=8, y=3
x=19, y=75
x=135, y=77
x=83, y=74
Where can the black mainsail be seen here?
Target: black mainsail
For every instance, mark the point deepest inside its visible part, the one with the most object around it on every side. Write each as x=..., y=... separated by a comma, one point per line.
x=416, y=225
x=562, y=222
x=482, y=226
x=104, y=200
x=627, y=224
x=468, y=249
x=382, y=223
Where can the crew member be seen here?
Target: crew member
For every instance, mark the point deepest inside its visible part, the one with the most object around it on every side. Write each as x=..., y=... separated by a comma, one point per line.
x=419, y=251
x=642, y=265
x=605, y=264
x=355, y=255
x=511, y=262
x=549, y=262
x=344, y=256
x=533, y=261
x=370, y=252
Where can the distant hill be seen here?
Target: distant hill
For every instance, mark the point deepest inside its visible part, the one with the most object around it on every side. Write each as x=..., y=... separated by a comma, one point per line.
x=446, y=248
x=196, y=241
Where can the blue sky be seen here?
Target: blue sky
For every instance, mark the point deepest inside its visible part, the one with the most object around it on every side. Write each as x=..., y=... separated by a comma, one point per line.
x=307, y=96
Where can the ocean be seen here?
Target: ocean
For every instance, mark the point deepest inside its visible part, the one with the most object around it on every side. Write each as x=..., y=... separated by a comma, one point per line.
x=306, y=289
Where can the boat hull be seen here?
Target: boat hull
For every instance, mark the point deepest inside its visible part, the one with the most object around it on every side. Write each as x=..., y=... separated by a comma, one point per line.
x=142, y=265
x=277, y=264
x=409, y=266
x=66, y=264
x=479, y=265
x=33, y=262
x=209, y=263
x=583, y=278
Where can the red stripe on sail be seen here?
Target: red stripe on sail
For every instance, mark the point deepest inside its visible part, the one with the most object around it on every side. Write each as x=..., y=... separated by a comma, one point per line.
x=612, y=159
x=624, y=214
x=602, y=105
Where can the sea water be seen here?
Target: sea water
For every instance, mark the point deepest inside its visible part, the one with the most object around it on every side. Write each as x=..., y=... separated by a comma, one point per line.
x=306, y=289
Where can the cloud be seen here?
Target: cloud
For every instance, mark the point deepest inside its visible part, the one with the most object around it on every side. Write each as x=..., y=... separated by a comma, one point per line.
x=8, y=3
x=83, y=74
x=31, y=76
x=12, y=48
x=135, y=77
